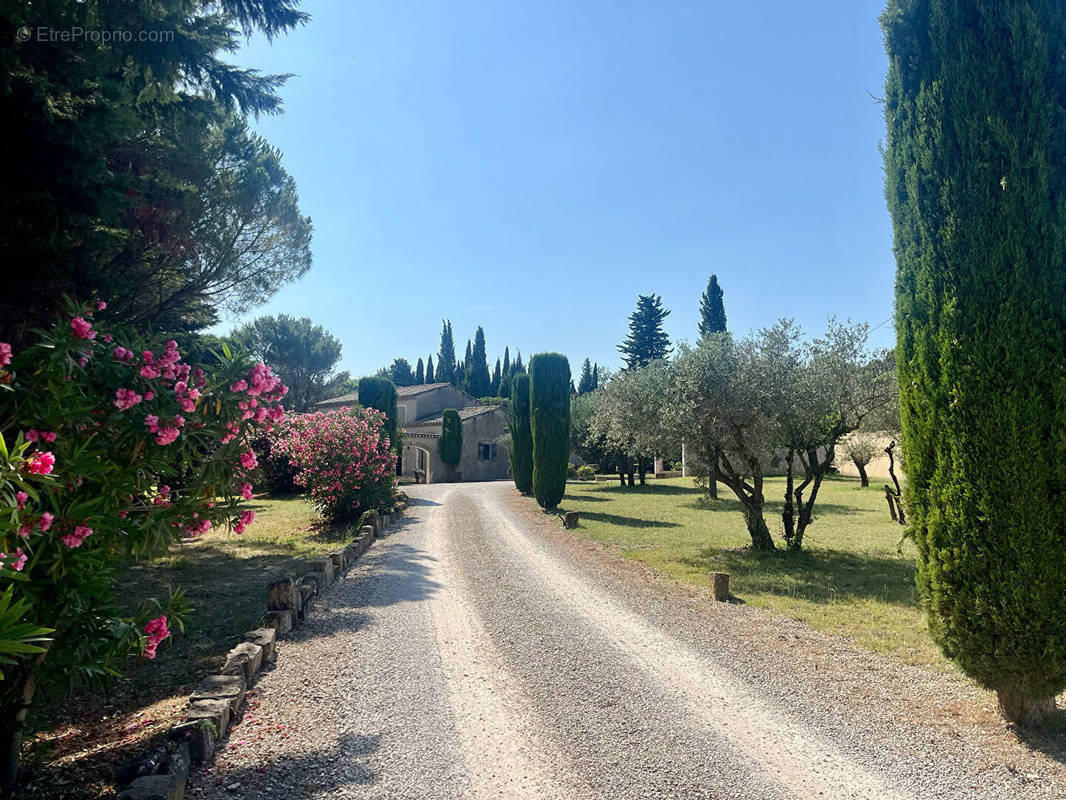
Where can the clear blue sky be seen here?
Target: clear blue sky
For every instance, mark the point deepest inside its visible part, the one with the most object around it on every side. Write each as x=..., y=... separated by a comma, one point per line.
x=534, y=168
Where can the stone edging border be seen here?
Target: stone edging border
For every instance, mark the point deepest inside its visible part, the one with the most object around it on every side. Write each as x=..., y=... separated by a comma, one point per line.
x=218, y=698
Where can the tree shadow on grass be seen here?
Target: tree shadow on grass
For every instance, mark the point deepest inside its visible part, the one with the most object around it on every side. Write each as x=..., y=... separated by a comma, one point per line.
x=650, y=488
x=628, y=522
x=816, y=575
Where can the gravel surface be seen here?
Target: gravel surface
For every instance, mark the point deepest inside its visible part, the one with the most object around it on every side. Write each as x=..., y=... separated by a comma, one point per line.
x=481, y=651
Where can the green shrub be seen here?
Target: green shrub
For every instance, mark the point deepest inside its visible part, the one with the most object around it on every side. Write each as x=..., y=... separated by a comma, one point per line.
x=976, y=183
x=451, y=440
x=549, y=381
x=380, y=393
x=521, y=434
x=571, y=472
x=586, y=473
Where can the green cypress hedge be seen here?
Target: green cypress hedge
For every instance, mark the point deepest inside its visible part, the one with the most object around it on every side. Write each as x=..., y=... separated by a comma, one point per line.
x=976, y=183
x=451, y=440
x=380, y=393
x=549, y=402
x=521, y=434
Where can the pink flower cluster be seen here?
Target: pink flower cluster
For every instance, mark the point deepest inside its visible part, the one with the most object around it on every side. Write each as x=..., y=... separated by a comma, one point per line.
x=40, y=463
x=5, y=354
x=18, y=562
x=156, y=631
x=77, y=536
x=39, y=436
x=126, y=399
x=82, y=328
x=244, y=521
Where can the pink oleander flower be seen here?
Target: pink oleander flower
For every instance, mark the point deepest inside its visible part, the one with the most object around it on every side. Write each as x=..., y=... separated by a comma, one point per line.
x=5, y=354
x=244, y=521
x=40, y=463
x=45, y=522
x=149, y=395
x=248, y=460
x=239, y=386
x=82, y=328
x=246, y=491
x=148, y=371
x=32, y=435
x=20, y=561
x=48, y=436
x=107, y=337
x=166, y=435
x=199, y=528
x=20, y=499
x=123, y=355
x=101, y=306
x=126, y=399
x=80, y=534
x=151, y=422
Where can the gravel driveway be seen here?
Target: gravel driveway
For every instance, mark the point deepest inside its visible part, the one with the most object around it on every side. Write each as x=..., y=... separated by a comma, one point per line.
x=480, y=651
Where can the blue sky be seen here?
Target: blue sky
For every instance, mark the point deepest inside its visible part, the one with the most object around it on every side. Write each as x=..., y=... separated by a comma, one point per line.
x=533, y=167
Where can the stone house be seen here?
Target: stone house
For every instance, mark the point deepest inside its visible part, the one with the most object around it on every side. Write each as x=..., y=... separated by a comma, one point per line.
x=419, y=414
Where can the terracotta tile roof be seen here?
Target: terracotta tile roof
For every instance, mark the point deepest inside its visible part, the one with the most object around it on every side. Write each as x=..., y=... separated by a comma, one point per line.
x=401, y=392
x=464, y=414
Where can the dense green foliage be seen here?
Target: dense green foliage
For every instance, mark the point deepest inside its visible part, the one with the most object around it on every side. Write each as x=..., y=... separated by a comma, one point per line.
x=975, y=169
x=301, y=353
x=420, y=373
x=400, y=373
x=380, y=393
x=647, y=341
x=521, y=434
x=549, y=405
x=712, y=309
x=131, y=171
x=430, y=377
x=586, y=383
x=446, y=356
x=476, y=378
x=451, y=439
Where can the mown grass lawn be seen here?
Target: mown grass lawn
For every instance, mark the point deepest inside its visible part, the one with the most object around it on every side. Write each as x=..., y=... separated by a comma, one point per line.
x=855, y=577
x=224, y=575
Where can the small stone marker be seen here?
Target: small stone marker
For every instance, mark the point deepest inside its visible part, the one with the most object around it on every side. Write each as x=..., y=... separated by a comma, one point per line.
x=570, y=519
x=244, y=659
x=367, y=529
x=337, y=557
x=265, y=638
x=720, y=582
x=199, y=737
x=215, y=711
x=154, y=787
x=221, y=687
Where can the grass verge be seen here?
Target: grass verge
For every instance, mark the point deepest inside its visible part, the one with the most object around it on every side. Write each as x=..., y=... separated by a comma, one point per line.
x=855, y=577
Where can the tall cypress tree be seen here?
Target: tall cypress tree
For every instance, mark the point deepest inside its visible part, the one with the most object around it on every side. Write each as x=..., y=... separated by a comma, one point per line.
x=476, y=368
x=506, y=374
x=451, y=439
x=549, y=406
x=420, y=372
x=975, y=169
x=521, y=434
x=584, y=384
x=497, y=378
x=446, y=355
x=595, y=376
x=430, y=377
x=647, y=341
x=380, y=393
x=712, y=309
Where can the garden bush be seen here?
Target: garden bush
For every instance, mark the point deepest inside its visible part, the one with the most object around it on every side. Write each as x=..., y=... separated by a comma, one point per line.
x=586, y=472
x=342, y=459
x=111, y=446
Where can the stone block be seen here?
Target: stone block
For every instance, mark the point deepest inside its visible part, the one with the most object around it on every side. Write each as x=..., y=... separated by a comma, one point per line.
x=179, y=759
x=325, y=567
x=222, y=687
x=352, y=552
x=368, y=530
x=570, y=519
x=281, y=594
x=280, y=621
x=720, y=586
x=267, y=639
x=316, y=580
x=217, y=712
x=337, y=557
x=155, y=787
x=199, y=737
x=244, y=659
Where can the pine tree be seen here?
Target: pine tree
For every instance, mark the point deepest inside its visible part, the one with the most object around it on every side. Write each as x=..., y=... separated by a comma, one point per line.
x=430, y=377
x=549, y=404
x=585, y=384
x=446, y=356
x=976, y=184
x=420, y=372
x=647, y=341
x=712, y=309
x=521, y=434
x=497, y=378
